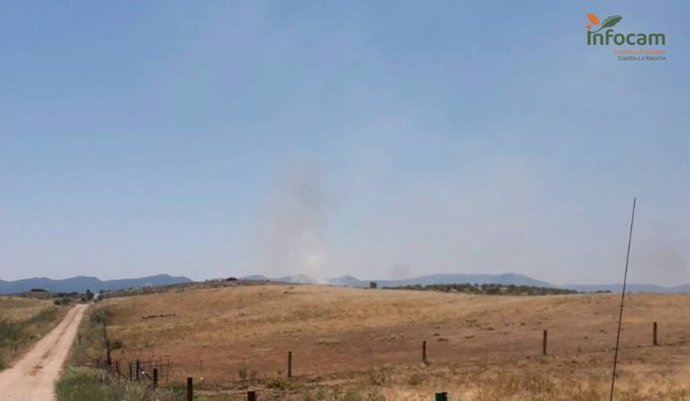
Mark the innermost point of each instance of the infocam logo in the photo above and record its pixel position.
(608, 37)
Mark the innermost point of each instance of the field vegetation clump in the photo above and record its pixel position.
(489, 289)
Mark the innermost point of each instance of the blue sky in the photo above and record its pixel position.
(379, 139)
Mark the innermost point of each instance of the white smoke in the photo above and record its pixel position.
(294, 237)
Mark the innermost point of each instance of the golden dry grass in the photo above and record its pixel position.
(22, 322)
(480, 347)
(16, 309)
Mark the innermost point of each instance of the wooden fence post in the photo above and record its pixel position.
(155, 378)
(655, 338)
(251, 395)
(441, 397)
(138, 370)
(543, 348)
(289, 372)
(190, 389)
(131, 375)
(108, 358)
(424, 351)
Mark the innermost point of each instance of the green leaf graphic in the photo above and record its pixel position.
(610, 22)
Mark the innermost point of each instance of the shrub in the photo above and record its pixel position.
(279, 383)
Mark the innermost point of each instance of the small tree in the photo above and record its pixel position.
(372, 284)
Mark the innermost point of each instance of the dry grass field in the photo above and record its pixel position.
(366, 344)
(16, 309)
(22, 322)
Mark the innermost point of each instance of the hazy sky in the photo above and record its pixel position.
(379, 139)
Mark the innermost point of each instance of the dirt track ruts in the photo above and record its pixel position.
(33, 377)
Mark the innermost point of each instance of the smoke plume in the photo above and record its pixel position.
(294, 237)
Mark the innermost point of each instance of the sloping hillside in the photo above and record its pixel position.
(341, 333)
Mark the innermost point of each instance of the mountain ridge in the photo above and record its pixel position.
(83, 283)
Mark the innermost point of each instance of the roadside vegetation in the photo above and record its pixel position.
(479, 383)
(89, 378)
(90, 384)
(22, 323)
(89, 349)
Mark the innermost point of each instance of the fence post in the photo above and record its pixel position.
(441, 396)
(131, 376)
(251, 395)
(424, 351)
(138, 370)
(546, 335)
(190, 389)
(108, 359)
(655, 338)
(289, 373)
(155, 378)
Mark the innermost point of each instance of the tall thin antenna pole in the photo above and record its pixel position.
(620, 316)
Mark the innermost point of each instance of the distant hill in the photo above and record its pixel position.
(647, 288)
(256, 277)
(504, 279)
(348, 281)
(294, 279)
(82, 283)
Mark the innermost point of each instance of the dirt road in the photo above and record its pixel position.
(33, 377)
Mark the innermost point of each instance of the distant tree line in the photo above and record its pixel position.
(488, 289)
(67, 298)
